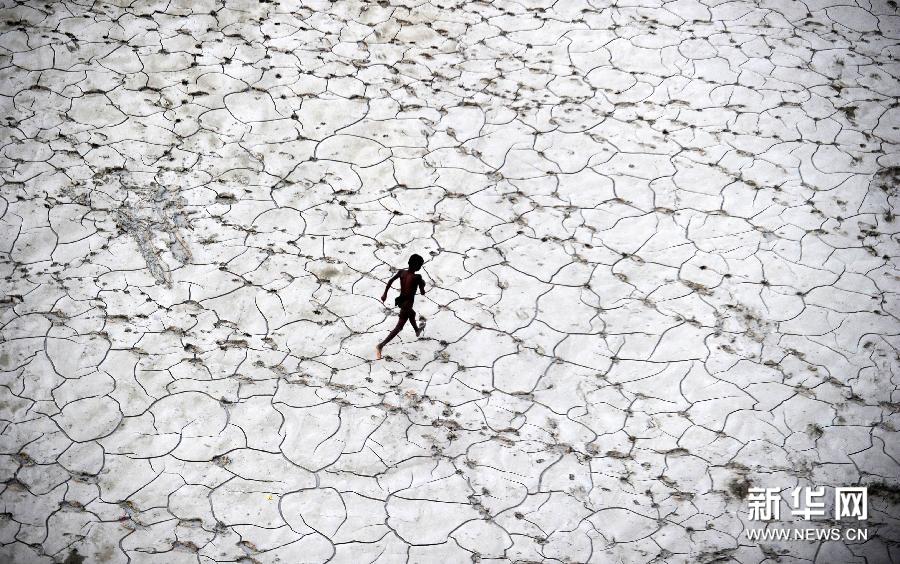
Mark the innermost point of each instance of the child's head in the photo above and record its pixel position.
(416, 262)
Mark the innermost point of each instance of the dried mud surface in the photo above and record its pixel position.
(661, 270)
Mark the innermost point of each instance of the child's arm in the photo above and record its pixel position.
(421, 284)
(391, 281)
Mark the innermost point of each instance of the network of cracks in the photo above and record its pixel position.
(661, 271)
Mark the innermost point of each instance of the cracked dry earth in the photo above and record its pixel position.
(661, 269)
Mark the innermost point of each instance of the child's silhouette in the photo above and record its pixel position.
(409, 281)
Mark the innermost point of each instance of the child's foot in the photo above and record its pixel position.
(421, 330)
(377, 353)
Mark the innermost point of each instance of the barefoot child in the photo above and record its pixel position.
(409, 281)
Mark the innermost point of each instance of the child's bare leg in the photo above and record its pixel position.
(412, 321)
(400, 323)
